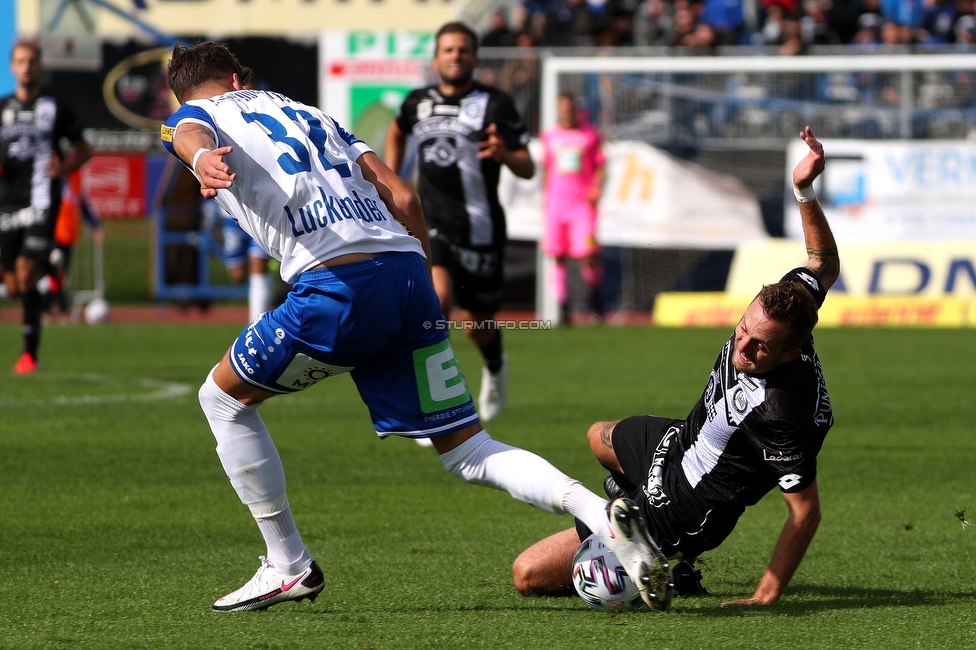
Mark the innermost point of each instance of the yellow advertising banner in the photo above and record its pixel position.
(893, 311)
(699, 309)
(708, 309)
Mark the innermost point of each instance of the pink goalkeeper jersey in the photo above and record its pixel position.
(570, 157)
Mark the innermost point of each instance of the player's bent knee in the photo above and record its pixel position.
(533, 576)
(522, 576)
(216, 403)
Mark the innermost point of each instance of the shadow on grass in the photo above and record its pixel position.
(803, 600)
(537, 605)
(808, 599)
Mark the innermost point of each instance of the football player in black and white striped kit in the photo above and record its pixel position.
(759, 424)
(32, 166)
(464, 132)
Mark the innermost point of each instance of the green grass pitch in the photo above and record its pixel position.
(118, 528)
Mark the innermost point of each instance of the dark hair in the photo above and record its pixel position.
(567, 95)
(457, 27)
(194, 66)
(791, 304)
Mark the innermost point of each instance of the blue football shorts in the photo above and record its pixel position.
(238, 245)
(379, 320)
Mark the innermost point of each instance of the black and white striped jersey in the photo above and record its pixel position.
(746, 435)
(29, 135)
(458, 190)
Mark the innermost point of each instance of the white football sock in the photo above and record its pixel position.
(251, 462)
(286, 550)
(531, 479)
(588, 508)
(258, 295)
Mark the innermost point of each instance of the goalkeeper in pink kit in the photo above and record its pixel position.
(574, 166)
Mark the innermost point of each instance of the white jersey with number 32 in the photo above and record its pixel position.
(298, 191)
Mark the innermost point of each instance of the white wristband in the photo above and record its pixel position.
(196, 157)
(806, 195)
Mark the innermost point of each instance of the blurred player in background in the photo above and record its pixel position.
(759, 424)
(575, 172)
(465, 131)
(244, 260)
(32, 165)
(247, 262)
(320, 201)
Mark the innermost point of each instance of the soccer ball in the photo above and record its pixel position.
(97, 311)
(600, 579)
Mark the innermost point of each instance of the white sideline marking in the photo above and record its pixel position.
(162, 390)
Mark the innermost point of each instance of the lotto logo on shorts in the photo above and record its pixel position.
(440, 382)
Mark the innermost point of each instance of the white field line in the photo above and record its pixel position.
(158, 390)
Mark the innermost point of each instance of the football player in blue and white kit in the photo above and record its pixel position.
(759, 424)
(320, 201)
(244, 260)
(247, 262)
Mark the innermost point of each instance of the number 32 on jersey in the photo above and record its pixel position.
(301, 161)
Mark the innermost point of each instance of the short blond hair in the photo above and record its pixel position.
(791, 304)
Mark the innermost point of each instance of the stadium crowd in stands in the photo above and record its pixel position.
(786, 26)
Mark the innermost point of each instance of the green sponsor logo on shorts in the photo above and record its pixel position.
(440, 382)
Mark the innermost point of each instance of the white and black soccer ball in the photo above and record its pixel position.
(600, 579)
(97, 311)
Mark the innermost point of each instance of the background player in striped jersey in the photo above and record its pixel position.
(32, 166)
(759, 424)
(465, 131)
(320, 201)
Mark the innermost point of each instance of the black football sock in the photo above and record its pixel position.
(33, 304)
(492, 352)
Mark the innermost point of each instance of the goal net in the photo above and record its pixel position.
(736, 116)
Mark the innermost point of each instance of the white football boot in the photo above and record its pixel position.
(639, 554)
(269, 587)
(494, 391)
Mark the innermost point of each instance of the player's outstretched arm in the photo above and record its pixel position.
(398, 197)
(798, 531)
(822, 257)
(210, 168)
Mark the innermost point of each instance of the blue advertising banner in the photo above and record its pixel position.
(8, 31)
